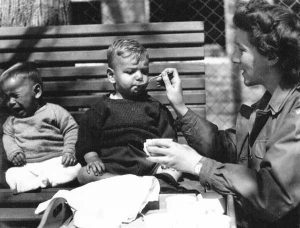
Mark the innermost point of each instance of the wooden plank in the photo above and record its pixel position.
(155, 68)
(96, 85)
(161, 54)
(18, 214)
(78, 43)
(26, 199)
(101, 29)
(230, 211)
(190, 97)
(23, 200)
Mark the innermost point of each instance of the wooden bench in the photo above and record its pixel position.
(72, 62)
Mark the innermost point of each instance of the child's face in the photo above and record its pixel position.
(19, 97)
(130, 76)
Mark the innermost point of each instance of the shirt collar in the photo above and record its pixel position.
(279, 98)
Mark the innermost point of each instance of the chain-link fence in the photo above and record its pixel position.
(225, 89)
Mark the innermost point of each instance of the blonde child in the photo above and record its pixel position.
(112, 133)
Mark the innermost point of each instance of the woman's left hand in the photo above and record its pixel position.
(171, 154)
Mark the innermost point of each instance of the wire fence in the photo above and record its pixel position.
(224, 88)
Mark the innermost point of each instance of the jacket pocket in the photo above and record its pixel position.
(258, 152)
(259, 148)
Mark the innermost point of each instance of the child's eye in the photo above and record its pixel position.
(129, 71)
(145, 72)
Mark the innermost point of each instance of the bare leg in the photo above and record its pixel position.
(84, 177)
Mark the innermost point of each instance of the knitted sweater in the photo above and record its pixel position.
(117, 129)
(49, 133)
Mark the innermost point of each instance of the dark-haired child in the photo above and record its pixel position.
(39, 138)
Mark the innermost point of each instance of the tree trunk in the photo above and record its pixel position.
(124, 11)
(34, 12)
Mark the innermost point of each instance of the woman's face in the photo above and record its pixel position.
(254, 66)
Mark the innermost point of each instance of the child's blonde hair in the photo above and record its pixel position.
(126, 48)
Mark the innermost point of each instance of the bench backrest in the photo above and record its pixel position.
(60, 50)
(72, 59)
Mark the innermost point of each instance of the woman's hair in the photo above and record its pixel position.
(126, 48)
(275, 31)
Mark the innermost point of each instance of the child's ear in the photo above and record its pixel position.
(111, 75)
(37, 88)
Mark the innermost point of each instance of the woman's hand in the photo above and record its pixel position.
(171, 154)
(174, 90)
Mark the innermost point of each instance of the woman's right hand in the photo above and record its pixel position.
(174, 90)
(171, 154)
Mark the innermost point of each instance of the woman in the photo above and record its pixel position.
(259, 162)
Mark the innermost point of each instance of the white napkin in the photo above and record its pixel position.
(108, 202)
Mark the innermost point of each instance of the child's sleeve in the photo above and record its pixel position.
(9, 143)
(166, 124)
(88, 140)
(68, 128)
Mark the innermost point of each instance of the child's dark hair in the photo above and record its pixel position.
(22, 70)
(126, 48)
(275, 31)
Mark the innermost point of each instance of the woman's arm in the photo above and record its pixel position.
(268, 193)
(200, 134)
(207, 139)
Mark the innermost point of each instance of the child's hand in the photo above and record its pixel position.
(68, 159)
(97, 167)
(19, 159)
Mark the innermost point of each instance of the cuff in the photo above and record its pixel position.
(187, 118)
(11, 155)
(207, 170)
(71, 151)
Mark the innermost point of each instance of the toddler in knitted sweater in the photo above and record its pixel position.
(113, 131)
(39, 138)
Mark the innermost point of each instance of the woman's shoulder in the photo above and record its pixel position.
(293, 101)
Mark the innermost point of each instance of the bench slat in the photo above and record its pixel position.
(162, 54)
(100, 70)
(78, 43)
(121, 29)
(23, 200)
(103, 84)
(18, 214)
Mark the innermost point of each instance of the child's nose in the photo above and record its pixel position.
(11, 102)
(139, 75)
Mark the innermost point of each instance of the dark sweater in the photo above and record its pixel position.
(117, 129)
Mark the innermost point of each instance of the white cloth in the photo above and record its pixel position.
(40, 175)
(109, 202)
